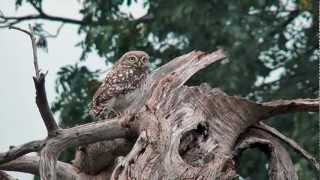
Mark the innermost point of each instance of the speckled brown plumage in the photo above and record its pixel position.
(126, 75)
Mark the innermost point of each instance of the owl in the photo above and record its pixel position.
(127, 74)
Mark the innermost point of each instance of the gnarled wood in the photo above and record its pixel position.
(184, 132)
(280, 164)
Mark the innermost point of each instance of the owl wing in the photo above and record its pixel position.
(111, 87)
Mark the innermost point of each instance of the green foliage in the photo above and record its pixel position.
(75, 86)
(260, 37)
(252, 163)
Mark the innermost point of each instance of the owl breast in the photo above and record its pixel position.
(110, 95)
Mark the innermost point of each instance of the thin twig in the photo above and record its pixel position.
(34, 48)
(291, 143)
(49, 35)
(35, 54)
(39, 83)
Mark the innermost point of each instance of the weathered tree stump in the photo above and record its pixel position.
(177, 132)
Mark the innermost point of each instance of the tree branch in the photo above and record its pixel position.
(13, 20)
(30, 164)
(8, 21)
(285, 106)
(6, 176)
(76, 136)
(43, 105)
(291, 143)
(39, 83)
(16, 152)
(53, 146)
(49, 35)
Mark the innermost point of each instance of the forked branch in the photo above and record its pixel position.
(39, 83)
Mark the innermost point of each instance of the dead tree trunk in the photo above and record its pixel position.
(169, 131)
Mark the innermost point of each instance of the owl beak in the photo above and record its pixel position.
(140, 62)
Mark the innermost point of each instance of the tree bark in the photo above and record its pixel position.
(169, 131)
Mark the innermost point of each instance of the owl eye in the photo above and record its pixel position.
(144, 59)
(132, 58)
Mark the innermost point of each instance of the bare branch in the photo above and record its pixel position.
(34, 48)
(39, 82)
(6, 176)
(49, 35)
(53, 146)
(30, 164)
(35, 54)
(43, 105)
(80, 135)
(286, 106)
(291, 143)
(12, 20)
(7, 21)
(16, 152)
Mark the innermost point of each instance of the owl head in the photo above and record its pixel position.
(134, 59)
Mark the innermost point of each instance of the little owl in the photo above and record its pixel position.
(126, 75)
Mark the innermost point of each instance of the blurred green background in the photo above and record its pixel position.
(272, 48)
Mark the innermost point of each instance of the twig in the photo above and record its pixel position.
(289, 142)
(39, 82)
(34, 49)
(35, 54)
(49, 35)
